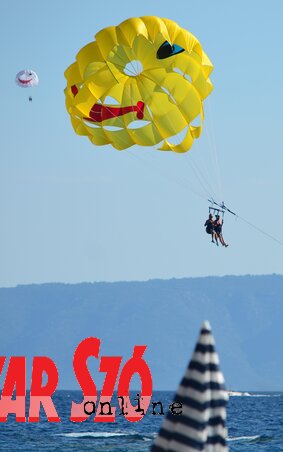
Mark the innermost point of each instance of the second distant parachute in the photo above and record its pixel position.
(27, 79)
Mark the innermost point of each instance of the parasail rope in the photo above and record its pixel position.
(260, 230)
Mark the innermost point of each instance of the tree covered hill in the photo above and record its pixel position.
(245, 313)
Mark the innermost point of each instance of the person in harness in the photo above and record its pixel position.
(217, 225)
(209, 227)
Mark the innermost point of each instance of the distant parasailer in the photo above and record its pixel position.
(27, 79)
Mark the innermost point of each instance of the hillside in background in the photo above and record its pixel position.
(245, 313)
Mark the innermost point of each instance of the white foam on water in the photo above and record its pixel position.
(265, 395)
(244, 438)
(94, 434)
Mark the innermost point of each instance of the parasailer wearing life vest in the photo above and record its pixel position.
(209, 227)
(217, 224)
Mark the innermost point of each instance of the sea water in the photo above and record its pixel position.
(255, 424)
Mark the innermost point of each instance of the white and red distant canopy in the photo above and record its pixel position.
(27, 78)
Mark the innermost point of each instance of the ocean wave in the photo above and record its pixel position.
(97, 435)
(244, 438)
(91, 434)
(265, 395)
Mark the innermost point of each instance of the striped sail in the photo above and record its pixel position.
(201, 426)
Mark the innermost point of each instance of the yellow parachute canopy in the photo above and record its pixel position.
(142, 82)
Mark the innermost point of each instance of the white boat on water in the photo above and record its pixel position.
(238, 394)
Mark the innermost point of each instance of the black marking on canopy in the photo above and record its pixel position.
(167, 50)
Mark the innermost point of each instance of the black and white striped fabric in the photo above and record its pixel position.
(201, 426)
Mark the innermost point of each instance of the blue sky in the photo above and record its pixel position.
(74, 212)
